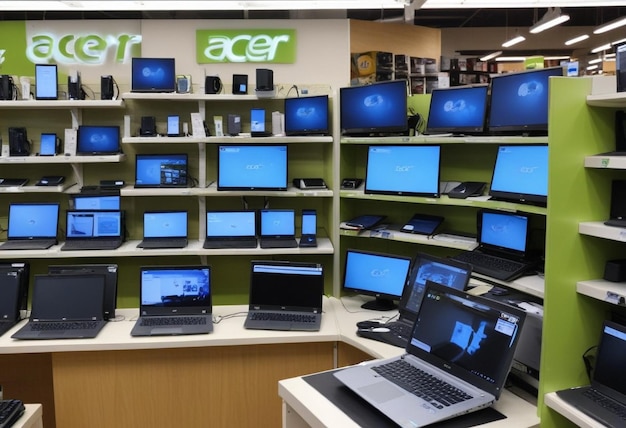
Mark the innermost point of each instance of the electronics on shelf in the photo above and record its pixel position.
(306, 115)
(520, 174)
(252, 167)
(98, 140)
(458, 110)
(161, 170)
(153, 75)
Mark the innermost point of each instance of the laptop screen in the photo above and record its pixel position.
(220, 224)
(609, 368)
(521, 173)
(460, 109)
(306, 115)
(168, 224)
(9, 294)
(252, 167)
(96, 202)
(68, 297)
(278, 223)
(27, 221)
(98, 140)
(94, 224)
(469, 336)
(163, 170)
(286, 285)
(503, 231)
(175, 287)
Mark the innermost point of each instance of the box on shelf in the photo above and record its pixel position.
(368, 67)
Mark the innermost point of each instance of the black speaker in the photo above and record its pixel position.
(148, 126)
(106, 87)
(18, 142)
(234, 124)
(74, 88)
(240, 84)
(620, 131)
(264, 79)
(6, 87)
(212, 85)
(615, 270)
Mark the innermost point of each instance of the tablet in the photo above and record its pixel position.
(422, 224)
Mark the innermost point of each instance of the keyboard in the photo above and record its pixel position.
(28, 244)
(230, 243)
(279, 243)
(166, 243)
(166, 321)
(495, 267)
(63, 325)
(279, 316)
(603, 401)
(400, 329)
(437, 392)
(10, 412)
(89, 244)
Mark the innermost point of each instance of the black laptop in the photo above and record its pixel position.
(65, 307)
(164, 229)
(605, 398)
(617, 217)
(13, 293)
(231, 229)
(285, 296)
(32, 226)
(13, 182)
(93, 230)
(174, 300)
(278, 228)
(502, 251)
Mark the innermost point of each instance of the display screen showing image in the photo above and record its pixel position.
(252, 167)
(33, 220)
(165, 224)
(167, 170)
(278, 222)
(48, 144)
(306, 115)
(257, 120)
(96, 202)
(175, 287)
(94, 224)
(230, 223)
(521, 173)
(459, 109)
(153, 75)
(98, 140)
(502, 230)
(46, 82)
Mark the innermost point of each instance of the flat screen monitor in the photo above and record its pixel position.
(380, 275)
(408, 170)
(378, 109)
(620, 67)
(458, 110)
(153, 75)
(519, 101)
(96, 202)
(46, 82)
(307, 115)
(520, 174)
(98, 140)
(252, 167)
(161, 170)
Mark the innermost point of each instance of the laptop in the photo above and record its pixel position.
(285, 296)
(164, 229)
(230, 229)
(93, 230)
(32, 226)
(502, 246)
(108, 270)
(618, 204)
(13, 294)
(460, 343)
(605, 398)
(161, 170)
(278, 228)
(65, 307)
(13, 182)
(426, 267)
(100, 200)
(174, 300)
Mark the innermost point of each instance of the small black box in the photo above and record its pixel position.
(106, 87)
(240, 84)
(615, 270)
(148, 126)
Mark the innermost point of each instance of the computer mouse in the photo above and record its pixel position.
(367, 324)
(380, 330)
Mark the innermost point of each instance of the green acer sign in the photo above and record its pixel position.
(244, 45)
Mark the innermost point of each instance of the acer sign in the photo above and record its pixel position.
(245, 45)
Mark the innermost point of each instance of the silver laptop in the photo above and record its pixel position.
(32, 226)
(65, 307)
(278, 228)
(93, 230)
(174, 300)
(230, 229)
(164, 229)
(456, 362)
(285, 296)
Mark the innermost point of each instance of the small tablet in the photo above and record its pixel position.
(422, 224)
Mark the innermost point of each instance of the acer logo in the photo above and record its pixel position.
(245, 46)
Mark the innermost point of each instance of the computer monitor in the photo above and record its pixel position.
(153, 75)
(519, 101)
(520, 174)
(408, 170)
(458, 110)
(252, 167)
(620, 67)
(98, 140)
(376, 274)
(378, 109)
(307, 115)
(161, 170)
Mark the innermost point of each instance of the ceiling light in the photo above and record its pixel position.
(492, 55)
(592, 67)
(552, 18)
(618, 42)
(595, 61)
(511, 58)
(601, 48)
(515, 40)
(610, 26)
(577, 39)
(609, 56)
(556, 58)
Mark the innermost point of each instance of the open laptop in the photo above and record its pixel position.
(108, 270)
(65, 307)
(461, 344)
(605, 398)
(285, 296)
(617, 216)
(174, 300)
(230, 229)
(32, 226)
(161, 170)
(164, 229)
(502, 251)
(13, 293)
(278, 228)
(426, 267)
(93, 230)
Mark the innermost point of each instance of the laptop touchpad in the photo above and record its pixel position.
(381, 392)
(168, 330)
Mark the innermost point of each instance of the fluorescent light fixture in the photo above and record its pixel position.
(595, 61)
(592, 67)
(577, 39)
(618, 42)
(601, 48)
(556, 58)
(609, 56)
(552, 18)
(610, 26)
(511, 58)
(492, 55)
(515, 40)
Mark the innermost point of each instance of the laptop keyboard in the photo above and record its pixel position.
(279, 243)
(10, 412)
(606, 403)
(496, 267)
(27, 245)
(166, 243)
(167, 321)
(399, 329)
(241, 243)
(64, 325)
(437, 392)
(279, 316)
(92, 245)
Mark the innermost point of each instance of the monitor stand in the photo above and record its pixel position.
(379, 304)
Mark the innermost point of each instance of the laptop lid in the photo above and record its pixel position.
(68, 297)
(13, 292)
(161, 170)
(609, 376)
(503, 233)
(278, 223)
(90, 201)
(33, 221)
(230, 224)
(286, 286)
(85, 224)
(175, 290)
(618, 200)
(164, 224)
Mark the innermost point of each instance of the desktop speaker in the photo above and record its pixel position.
(74, 87)
(148, 126)
(615, 270)
(264, 79)
(18, 142)
(234, 124)
(240, 84)
(106, 87)
(212, 85)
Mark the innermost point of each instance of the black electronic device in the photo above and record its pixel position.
(620, 67)
(234, 124)
(308, 236)
(112, 184)
(240, 84)
(615, 270)
(620, 129)
(74, 87)
(264, 79)
(7, 87)
(18, 142)
(46, 83)
(153, 75)
(467, 189)
(351, 183)
(106, 87)
(458, 110)
(148, 126)
(617, 212)
(309, 183)
(49, 145)
(520, 174)
(50, 180)
(212, 85)
(422, 224)
(367, 221)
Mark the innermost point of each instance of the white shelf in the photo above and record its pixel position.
(605, 161)
(164, 140)
(393, 234)
(433, 139)
(61, 159)
(173, 96)
(61, 104)
(211, 190)
(613, 100)
(599, 230)
(606, 291)
(37, 189)
(228, 140)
